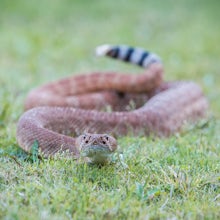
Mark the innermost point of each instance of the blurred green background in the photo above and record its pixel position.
(45, 40)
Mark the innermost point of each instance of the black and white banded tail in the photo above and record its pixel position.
(129, 54)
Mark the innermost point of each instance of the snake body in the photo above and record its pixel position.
(110, 103)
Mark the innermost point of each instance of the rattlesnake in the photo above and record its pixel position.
(92, 104)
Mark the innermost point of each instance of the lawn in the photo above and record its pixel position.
(173, 178)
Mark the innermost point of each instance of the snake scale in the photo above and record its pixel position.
(97, 105)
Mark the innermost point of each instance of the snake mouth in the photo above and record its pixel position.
(96, 153)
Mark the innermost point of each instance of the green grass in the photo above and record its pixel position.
(174, 178)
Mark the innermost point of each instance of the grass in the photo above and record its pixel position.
(174, 178)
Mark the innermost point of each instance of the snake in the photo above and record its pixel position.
(84, 114)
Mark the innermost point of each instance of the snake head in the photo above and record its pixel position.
(96, 147)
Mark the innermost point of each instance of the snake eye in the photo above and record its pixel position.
(84, 138)
(103, 142)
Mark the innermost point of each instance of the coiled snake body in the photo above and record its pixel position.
(110, 103)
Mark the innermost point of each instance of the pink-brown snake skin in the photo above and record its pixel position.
(111, 103)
